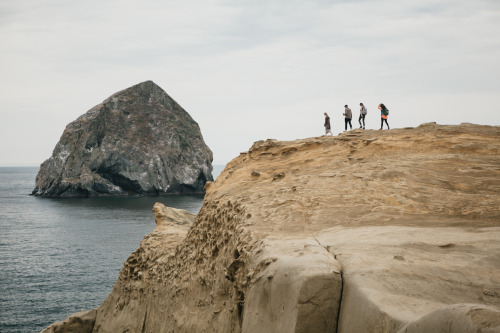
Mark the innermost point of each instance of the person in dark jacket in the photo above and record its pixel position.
(348, 116)
(384, 114)
(327, 125)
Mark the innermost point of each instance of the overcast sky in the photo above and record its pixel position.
(246, 70)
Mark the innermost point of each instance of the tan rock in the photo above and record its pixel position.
(457, 318)
(141, 286)
(441, 267)
(399, 227)
(172, 216)
(298, 289)
(80, 322)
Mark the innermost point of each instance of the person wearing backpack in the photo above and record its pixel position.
(384, 114)
(362, 115)
(348, 116)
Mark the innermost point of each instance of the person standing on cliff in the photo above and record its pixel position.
(327, 125)
(362, 114)
(384, 114)
(348, 116)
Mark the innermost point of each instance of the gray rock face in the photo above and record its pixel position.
(138, 141)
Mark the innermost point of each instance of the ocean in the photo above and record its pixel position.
(60, 256)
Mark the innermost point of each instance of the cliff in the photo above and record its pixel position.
(138, 141)
(369, 231)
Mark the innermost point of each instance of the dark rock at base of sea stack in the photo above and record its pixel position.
(138, 141)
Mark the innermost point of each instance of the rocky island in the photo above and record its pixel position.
(369, 231)
(138, 141)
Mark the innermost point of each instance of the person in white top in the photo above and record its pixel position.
(362, 114)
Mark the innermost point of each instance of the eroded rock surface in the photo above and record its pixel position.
(368, 231)
(138, 141)
(457, 318)
(80, 322)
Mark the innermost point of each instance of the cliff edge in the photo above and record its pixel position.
(369, 231)
(138, 141)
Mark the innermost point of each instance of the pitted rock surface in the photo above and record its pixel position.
(369, 231)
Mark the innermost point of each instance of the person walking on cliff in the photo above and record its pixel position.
(348, 117)
(384, 114)
(327, 125)
(362, 114)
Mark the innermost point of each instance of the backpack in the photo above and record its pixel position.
(364, 110)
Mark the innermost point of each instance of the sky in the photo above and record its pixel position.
(246, 70)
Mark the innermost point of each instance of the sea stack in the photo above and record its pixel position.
(138, 141)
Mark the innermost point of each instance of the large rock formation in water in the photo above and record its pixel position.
(138, 141)
(369, 231)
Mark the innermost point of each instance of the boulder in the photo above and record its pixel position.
(138, 141)
(394, 275)
(457, 318)
(298, 289)
(170, 216)
(80, 322)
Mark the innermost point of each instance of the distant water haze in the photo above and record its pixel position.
(60, 256)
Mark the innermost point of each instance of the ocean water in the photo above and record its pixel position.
(60, 256)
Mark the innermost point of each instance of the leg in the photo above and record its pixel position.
(350, 124)
(345, 121)
(363, 121)
(381, 123)
(359, 121)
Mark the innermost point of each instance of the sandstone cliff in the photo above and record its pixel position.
(138, 141)
(369, 231)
